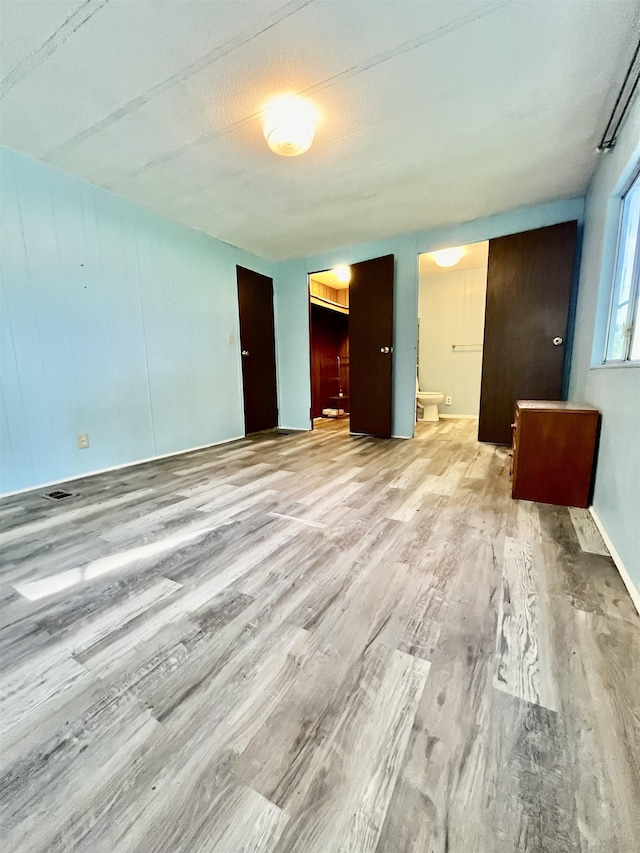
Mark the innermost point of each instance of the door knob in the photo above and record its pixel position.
(557, 342)
(385, 350)
(245, 352)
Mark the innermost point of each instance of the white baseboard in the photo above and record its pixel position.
(39, 486)
(624, 574)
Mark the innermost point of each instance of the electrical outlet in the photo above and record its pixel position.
(448, 401)
(83, 440)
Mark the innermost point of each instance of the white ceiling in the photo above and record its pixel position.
(433, 111)
(474, 256)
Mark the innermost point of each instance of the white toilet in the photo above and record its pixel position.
(428, 401)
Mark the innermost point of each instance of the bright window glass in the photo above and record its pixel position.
(623, 342)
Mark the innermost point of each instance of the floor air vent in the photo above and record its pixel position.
(58, 495)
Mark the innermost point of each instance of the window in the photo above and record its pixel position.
(623, 343)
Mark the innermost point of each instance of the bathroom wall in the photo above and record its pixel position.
(451, 311)
(615, 390)
(115, 323)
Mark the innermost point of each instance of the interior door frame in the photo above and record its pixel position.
(310, 324)
(388, 433)
(417, 327)
(573, 298)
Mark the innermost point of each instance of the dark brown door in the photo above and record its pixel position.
(257, 344)
(371, 345)
(528, 295)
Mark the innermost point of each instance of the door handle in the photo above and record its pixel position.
(557, 342)
(386, 350)
(245, 352)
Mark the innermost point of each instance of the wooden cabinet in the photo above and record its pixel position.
(554, 446)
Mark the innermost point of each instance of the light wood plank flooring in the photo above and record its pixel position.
(315, 643)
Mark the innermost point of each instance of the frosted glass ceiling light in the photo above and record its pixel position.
(289, 125)
(447, 257)
(343, 274)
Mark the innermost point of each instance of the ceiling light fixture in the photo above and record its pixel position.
(289, 125)
(448, 257)
(343, 274)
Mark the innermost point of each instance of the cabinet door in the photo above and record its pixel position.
(555, 453)
(529, 283)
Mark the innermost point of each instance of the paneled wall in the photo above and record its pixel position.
(451, 313)
(115, 323)
(329, 294)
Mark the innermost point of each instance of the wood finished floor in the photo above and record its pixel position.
(315, 643)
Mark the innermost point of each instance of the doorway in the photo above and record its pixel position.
(329, 307)
(351, 345)
(512, 350)
(452, 289)
(257, 345)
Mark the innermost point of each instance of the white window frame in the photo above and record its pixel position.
(630, 325)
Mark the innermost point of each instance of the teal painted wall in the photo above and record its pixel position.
(614, 390)
(114, 323)
(292, 311)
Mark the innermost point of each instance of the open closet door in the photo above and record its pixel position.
(257, 342)
(528, 295)
(371, 345)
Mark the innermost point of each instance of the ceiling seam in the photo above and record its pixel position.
(88, 9)
(225, 49)
(405, 47)
(195, 190)
(412, 44)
